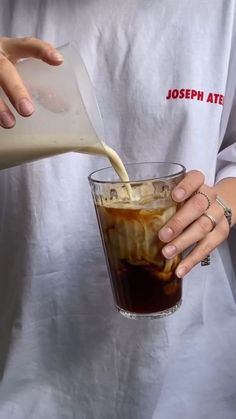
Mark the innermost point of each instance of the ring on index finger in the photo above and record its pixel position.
(206, 196)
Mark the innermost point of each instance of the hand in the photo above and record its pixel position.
(11, 50)
(189, 227)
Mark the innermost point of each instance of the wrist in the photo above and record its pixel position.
(226, 197)
(227, 210)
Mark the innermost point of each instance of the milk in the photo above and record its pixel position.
(17, 150)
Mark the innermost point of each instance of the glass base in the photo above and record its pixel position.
(158, 315)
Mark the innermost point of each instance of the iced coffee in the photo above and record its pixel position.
(144, 282)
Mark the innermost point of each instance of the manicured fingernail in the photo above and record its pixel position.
(169, 251)
(166, 233)
(179, 193)
(7, 120)
(55, 55)
(25, 107)
(181, 271)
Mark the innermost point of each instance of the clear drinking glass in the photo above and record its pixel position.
(130, 214)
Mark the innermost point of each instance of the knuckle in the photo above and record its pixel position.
(205, 249)
(177, 225)
(187, 184)
(18, 90)
(199, 202)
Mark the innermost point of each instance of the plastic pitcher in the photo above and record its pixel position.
(66, 116)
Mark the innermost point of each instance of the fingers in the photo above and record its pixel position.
(11, 50)
(16, 48)
(193, 208)
(14, 88)
(199, 224)
(203, 248)
(197, 231)
(7, 119)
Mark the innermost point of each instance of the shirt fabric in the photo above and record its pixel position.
(64, 351)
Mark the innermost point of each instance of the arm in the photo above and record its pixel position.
(11, 50)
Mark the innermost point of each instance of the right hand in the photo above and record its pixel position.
(11, 50)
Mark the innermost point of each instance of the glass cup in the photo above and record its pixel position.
(130, 215)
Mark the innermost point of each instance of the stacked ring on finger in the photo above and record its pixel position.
(212, 220)
(206, 196)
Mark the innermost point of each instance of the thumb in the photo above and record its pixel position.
(17, 48)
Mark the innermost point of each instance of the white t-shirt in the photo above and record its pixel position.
(164, 75)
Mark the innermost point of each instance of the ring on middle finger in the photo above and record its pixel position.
(212, 220)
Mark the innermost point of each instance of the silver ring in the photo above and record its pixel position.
(206, 261)
(206, 196)
(212, 220)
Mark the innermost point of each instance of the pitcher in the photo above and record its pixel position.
(66, 116)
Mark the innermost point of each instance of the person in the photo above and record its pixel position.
(164, 75)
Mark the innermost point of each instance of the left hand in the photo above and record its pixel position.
(189, 227)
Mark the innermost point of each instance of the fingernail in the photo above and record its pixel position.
(169, 251)
(166, 233)
(55, 55)
(181, 271)
(179, 193)
(25, 107)
(7, 120)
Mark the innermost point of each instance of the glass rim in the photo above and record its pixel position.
(172, 176)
